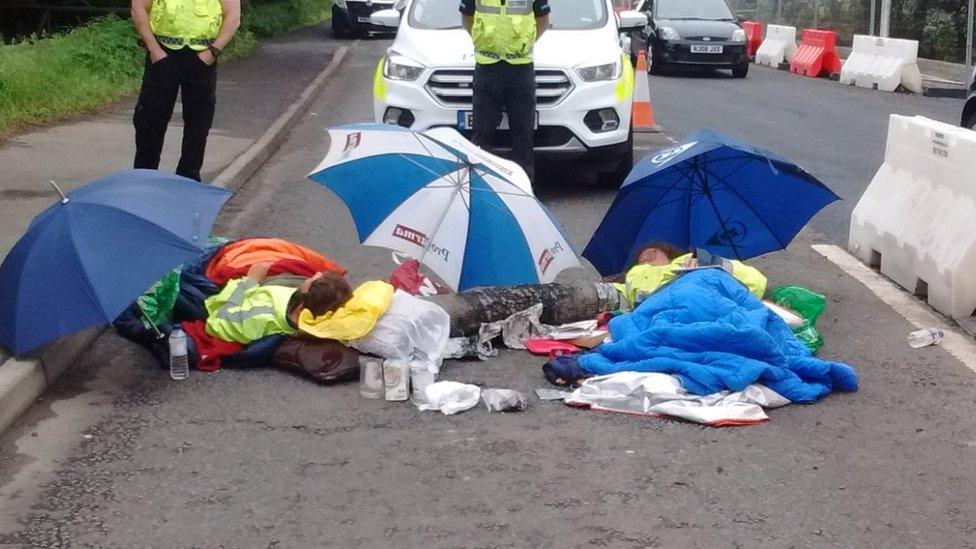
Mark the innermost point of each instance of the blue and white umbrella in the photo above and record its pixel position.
(469, 216)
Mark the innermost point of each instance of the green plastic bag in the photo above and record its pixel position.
(808, 304)
(810, 336)
(158, 302)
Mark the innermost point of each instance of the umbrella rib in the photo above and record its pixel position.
(660, 198)
(753, 210)
(417, 136)
(421, 166)
(88, 286)
(506, 181)
(735, 249)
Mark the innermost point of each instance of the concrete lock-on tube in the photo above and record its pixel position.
(561, 303)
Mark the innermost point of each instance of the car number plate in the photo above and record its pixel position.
(466, 121)
(363, 19)
(706, 49)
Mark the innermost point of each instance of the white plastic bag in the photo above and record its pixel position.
(504, 400)
(450, 397)
(411, 329)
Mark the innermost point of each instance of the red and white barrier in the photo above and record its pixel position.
(817, 55)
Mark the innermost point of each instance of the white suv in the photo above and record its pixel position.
(583, 74)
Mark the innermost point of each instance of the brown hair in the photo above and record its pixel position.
(326, 293)
(671, 251)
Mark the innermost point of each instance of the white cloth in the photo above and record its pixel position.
(656, 395)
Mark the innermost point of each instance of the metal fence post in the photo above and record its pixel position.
(969, 45)
(885, 18)
(874, 9)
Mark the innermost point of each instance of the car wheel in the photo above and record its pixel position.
(616, 178)
(741, 70)
(971, 122)
(339, 28)
(654, 65)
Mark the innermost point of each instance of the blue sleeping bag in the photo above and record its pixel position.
(706, 328)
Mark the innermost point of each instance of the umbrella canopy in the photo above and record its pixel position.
(85, 259)
(710, 192)
(469, 216)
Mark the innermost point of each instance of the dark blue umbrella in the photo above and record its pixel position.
(85, 259)
(710, 192)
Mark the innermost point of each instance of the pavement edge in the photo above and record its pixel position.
(24, 379)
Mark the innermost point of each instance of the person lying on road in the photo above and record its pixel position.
(248, 309)
(658, 263)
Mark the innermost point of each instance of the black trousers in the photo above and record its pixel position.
(180, 71)
(502, 87)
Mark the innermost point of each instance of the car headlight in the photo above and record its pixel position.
(340, 3)
(396, 69)
(667, 33)
(596, 73)
(738, 35)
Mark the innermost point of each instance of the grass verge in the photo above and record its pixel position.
(51, 79)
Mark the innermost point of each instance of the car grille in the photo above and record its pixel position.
(453, 87)
(544, 136)
(719, 39)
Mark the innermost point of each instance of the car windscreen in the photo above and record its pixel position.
(565, 14)
(710, 10)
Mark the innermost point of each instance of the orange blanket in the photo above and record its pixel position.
(249, 251)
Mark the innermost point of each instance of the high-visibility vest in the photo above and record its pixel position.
(643, 278)
(503, 31)
(245, 311)
(186, 23)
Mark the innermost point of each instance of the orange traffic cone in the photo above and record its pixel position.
(642, 117)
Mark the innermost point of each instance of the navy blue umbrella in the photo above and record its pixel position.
(710, 192)
(85, 259)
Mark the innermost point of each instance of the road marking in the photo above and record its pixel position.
(958, 343)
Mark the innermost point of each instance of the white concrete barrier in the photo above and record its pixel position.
(779, 46)
(917, 219)
(882, 63)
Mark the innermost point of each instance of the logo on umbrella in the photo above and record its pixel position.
(731, 234)
(548, 255)
(410, 235)
(664, 156)
(414, 236)
(353, 140)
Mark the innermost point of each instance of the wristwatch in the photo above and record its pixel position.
(214, 50)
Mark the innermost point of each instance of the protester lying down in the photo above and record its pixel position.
(286, 306)
(724, 354)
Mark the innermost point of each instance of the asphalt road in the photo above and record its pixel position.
(118, 455)
(836, 132)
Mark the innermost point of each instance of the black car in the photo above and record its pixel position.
(969, 111)
(351, 17)
(699, 33)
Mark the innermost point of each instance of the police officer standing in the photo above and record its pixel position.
(183, 39)
(504, 33)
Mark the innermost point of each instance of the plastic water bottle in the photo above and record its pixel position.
(179, 363)
(924, 338)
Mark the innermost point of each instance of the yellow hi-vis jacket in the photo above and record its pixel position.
(245, 311)
(503, 31)
(185, 23)
(648, 278)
